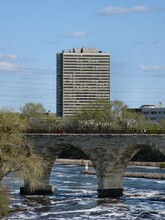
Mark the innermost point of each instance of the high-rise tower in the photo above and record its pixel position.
(83, 76)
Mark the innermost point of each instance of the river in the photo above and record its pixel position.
(76, 197)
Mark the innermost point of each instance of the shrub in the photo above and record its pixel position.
(162, 164)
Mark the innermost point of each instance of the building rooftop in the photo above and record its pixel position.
(148, 106)
(83, 50)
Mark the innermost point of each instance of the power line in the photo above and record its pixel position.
(28, 69)
(112, 87)
(138, 76)
(24, 88)
(27, 82)
(15, 96)
(23, 101)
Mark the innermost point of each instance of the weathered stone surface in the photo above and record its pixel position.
(110, 154)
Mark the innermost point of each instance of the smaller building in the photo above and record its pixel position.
(152, 112)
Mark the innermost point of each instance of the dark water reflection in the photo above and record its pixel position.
(76, 198)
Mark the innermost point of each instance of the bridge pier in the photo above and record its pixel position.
(46, 190)
(43, 187)
(111, 193)
(109, 153)
(110, 186)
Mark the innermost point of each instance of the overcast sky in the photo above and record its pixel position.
(33, 31)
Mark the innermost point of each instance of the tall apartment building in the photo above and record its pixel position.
(83, 76)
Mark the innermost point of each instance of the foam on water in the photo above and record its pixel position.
(100, 211)
(76, 198)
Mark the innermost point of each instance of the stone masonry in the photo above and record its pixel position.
(109, 154)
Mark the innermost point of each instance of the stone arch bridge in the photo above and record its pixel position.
(109, 154)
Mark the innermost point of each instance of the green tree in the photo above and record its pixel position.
(162, 125)
(17, 153)
(132, 120)
(104, 115)
(33, 110)
(101, 115)
(35, 114)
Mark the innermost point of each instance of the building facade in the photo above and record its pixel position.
(152, 112)
(83, 76)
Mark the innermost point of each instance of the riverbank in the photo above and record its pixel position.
(87, 163)
(134, 175)
(81, 162)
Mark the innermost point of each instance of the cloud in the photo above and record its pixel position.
(123, 10)
(152, 68)
(77, 34)
(8, 66)
(6, 62)
(8, 56)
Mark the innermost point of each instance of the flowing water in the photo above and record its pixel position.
(76, 197)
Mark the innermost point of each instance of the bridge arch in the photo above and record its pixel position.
(133, 148)
(50, 153)
(109, 153)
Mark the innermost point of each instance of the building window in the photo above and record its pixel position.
(145, 113)
(153, 113)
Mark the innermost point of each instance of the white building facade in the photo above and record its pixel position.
(83, 76)
(152, 112)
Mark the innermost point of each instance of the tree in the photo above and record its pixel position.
(162, 125)
(116, 114)
(34, 113)
(33, 110)
(16, 150)
(101, 115)
(4, 208)
(137, 122)
(132, 120)
(104, 115)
